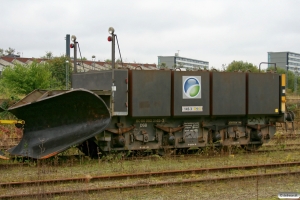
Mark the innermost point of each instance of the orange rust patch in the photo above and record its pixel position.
(4, 158)
(49, 155)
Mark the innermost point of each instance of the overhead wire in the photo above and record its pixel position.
(119, 51)
(81, 57)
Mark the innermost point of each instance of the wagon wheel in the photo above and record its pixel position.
(251, 147)
(181, 151)
(193, 151)
(166, 152)
(139, 153)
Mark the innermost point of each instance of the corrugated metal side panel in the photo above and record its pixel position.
(121, 95)
(100, 80)
(150, 93)
(228, 93)
(263, 93)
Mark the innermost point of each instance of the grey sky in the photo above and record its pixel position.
(218, 31)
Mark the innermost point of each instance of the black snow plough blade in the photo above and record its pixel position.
(57, 120)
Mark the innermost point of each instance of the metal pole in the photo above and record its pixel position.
(75, 57)
(287, 80)
(113, 87)
(295, 82)
(68, 45)
(94, 59)
(113, 51)
(67, 74)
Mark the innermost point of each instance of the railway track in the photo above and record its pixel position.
(144, 185)
(50, 188)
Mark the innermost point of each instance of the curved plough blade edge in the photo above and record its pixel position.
(56, 123)
(2, 156)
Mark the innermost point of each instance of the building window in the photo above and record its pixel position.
(294, 55)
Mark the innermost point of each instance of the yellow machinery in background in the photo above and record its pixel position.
(18, 123)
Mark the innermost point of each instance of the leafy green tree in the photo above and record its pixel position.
(10, 51)
(179, 65)
(57, 67)
(163, 66)
(1, 52)
(23, 79)
(291, 79)
(278, 70)
(241, 66)
(48, 55)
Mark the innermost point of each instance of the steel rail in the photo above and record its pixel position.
(147, 174)
(147, 185)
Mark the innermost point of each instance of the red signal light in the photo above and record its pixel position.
(109, 38)
(71, 46)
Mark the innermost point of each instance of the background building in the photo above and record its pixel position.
(82, 66)
(181, 62)
(285, 59)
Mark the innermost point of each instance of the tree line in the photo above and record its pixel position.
(245, 66)
(9, 51)
(18, 80)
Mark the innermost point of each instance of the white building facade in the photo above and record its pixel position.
(177, 61)
(286, 60)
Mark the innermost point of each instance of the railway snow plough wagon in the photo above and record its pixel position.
(152, 110)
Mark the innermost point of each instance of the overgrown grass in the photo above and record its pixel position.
(82, 166)
(58, 167)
